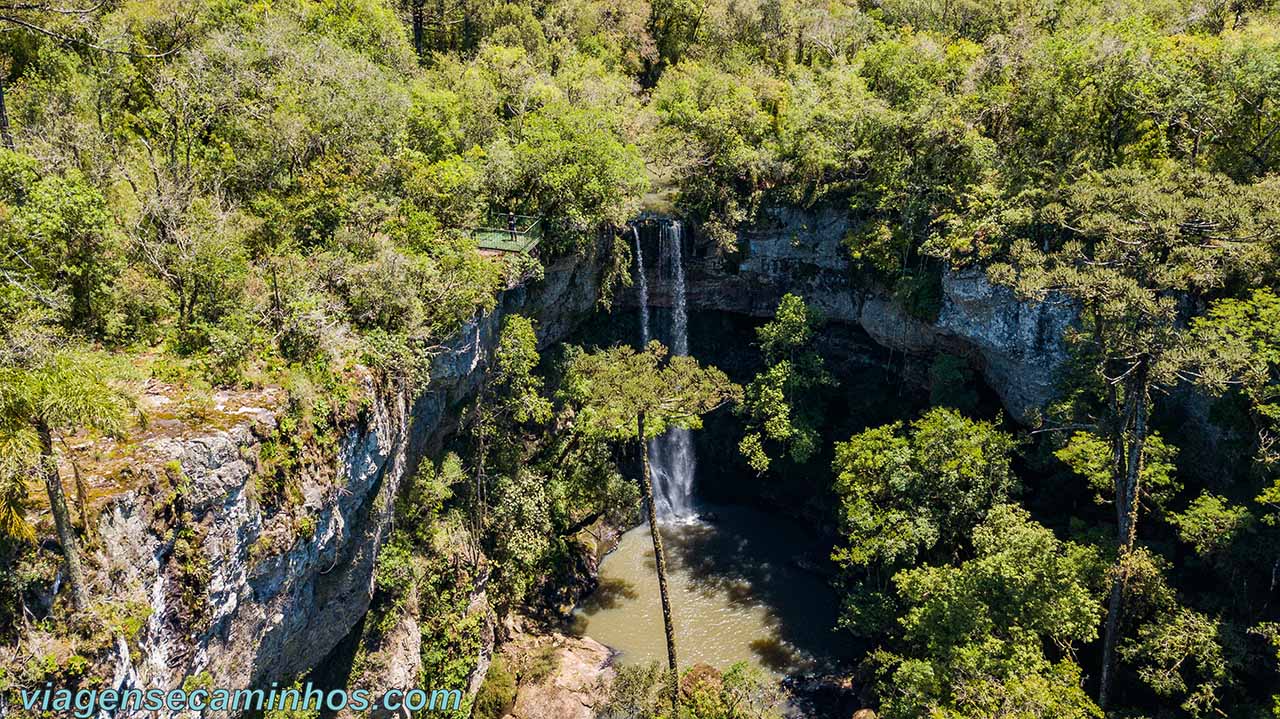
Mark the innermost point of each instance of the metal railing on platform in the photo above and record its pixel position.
(509, 233)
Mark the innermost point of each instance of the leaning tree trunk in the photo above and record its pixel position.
(62, 518)
(661, 556)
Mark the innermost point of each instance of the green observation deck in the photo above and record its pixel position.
(509, 233)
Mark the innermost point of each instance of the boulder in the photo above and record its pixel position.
(577, 684)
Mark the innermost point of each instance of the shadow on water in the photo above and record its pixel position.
(610, 594)
(737, 594)
(775, 655)
(749, 558)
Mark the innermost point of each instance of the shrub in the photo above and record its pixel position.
(498, 692)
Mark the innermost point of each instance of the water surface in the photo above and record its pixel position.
(738, 594)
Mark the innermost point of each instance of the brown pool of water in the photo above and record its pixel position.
(743, 589)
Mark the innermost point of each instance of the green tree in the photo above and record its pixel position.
(977, 636)
(910, 493)
(1234, 350)
(1128, 241)
(576, 167)
(509, 399)
(1211, 524)
(50, 388)
(782, 404)
(1271, 632)
(14, 526)
(1179, 655)
(1235, 345)
(622, 395)
(1089, 456)
(60, 245)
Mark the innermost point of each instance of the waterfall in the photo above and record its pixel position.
(679, 313)
(671, 455)
(642, 286)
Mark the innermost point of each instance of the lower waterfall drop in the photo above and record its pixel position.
(671, 455)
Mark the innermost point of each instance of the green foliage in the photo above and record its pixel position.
(497, 693)
(920, 293)
(742, 691)
(906, 491)
(613, 388)
(451, 633)
(14, 526)
(288, 184)
(1211, 524)
(307, 434)
(289, 713)
(1090, 456)
(1180, 656)
(1270, 632)
(516, 357)
(1124, 244)
(638, 690)
(192, 576)
(976, 636)
(577, 169)
(721, 123)
(522, 530)
(1236, 343)
(951, 384)
(540, 665)
(271, 193)
(783, 403)
(909, 494)
(60, 240)
(48, 383)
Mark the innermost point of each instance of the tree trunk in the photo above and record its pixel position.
(1128, 491)
(419, 40)
(1137, 455)
(62, 519)
(1110, 636)
(661, 557)
(5, 135)
(442, 43)
(82, 502)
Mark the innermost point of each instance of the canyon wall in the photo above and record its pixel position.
(280, 598)
(1016, 345)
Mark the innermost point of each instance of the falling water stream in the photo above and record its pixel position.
(738, 591)
(671, 455)
(642, 288)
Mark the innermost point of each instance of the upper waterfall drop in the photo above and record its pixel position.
(679, 311)
(642, 289)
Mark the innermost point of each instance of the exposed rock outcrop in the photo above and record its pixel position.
(281, 594)
(574, 679)
(1018, 346)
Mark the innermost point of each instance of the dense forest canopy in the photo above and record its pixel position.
(225, 194)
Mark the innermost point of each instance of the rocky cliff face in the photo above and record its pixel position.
(1017, 346)
(279, 598)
